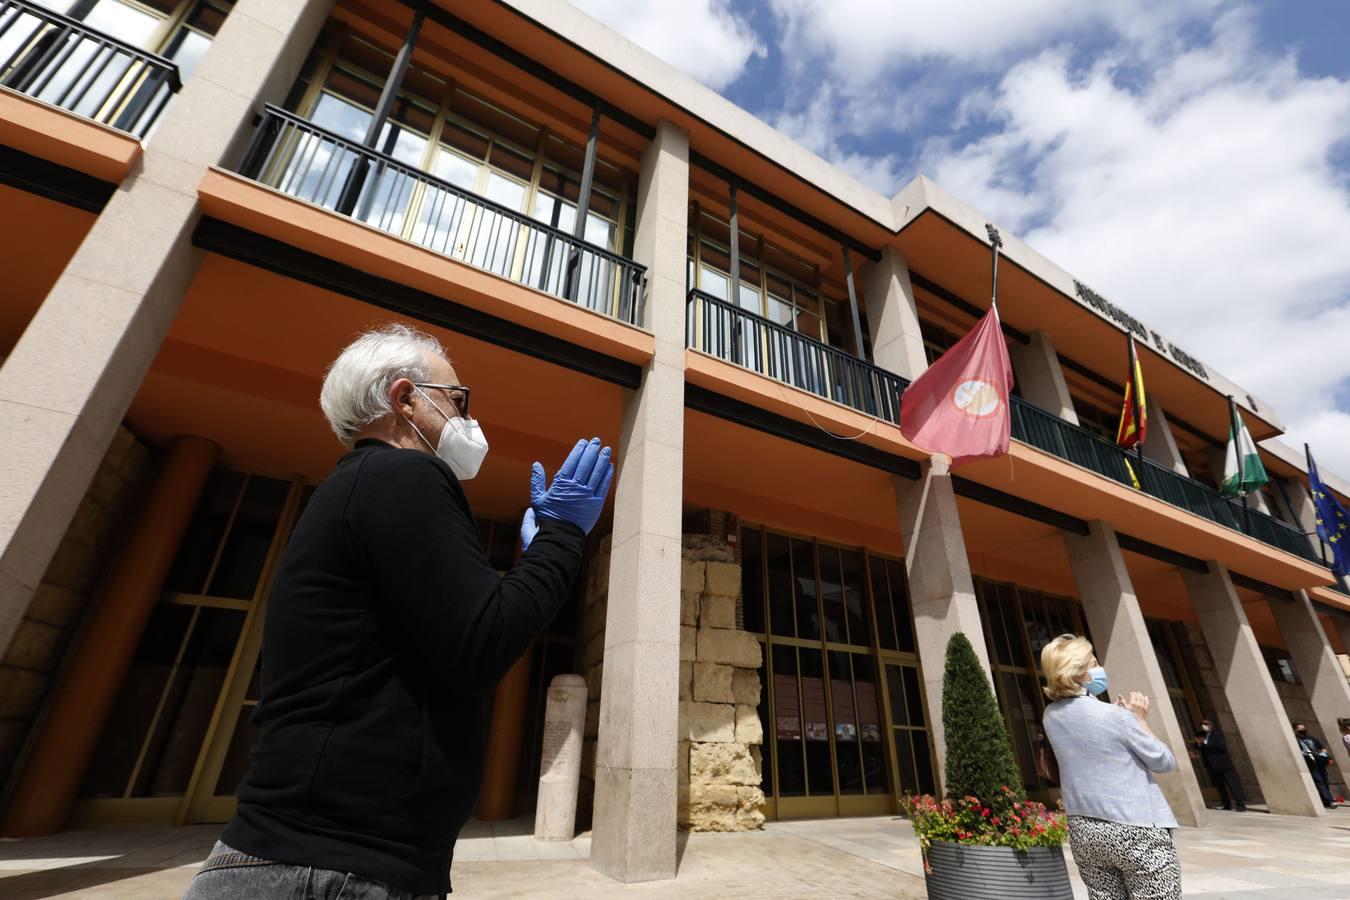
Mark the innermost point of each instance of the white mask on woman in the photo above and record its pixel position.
(461, 445)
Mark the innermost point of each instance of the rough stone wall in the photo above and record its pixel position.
(720, 732)
(30, 664)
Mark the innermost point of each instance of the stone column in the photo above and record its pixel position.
(633, 833)
(897, 342)
(111, 632)
(1318, 669)
(1124, 647)
(1160, 444)
(497, 798)
(555, 815)
(1257, 709)
(941, 591)
(70, 379)
(1038, 372)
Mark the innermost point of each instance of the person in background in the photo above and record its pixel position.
(1120, 826)
(386, 632)
(1213, 747)
(1316, 756)
(1345, 734)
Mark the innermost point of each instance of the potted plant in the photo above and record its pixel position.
(985, 839)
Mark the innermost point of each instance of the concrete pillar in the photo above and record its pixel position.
(555, 815)
(497, 798)
(112, 630)
(72, 375)
(1318, 669)
(633, 833)
(1125, 649)
(897, 342)
(1160, 444)
(941, 590)
(1257, 709)
(1040, 377)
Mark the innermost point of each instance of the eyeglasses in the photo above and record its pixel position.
(459, 395)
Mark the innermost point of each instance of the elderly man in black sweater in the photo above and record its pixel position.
(386, 632)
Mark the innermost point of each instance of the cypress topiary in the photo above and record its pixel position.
(979, 755)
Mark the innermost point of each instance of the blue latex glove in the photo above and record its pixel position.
(528, 527)
(578, 491)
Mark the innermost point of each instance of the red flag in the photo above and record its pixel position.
(960, 405)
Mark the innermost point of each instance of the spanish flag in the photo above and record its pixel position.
(1134, 412)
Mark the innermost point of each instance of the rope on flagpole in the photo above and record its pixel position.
(838, 437)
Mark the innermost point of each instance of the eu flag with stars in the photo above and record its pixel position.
(1333, 522)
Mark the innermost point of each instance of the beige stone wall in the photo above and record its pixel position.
(29, 666)
(720, 732)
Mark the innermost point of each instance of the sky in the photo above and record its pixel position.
(1188, 159)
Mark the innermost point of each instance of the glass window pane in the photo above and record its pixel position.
(870, 725)
(340, 116)
(241, 562)
(171, 753)
(752, 581)
(855, 596)
(819, 779)
(832, 595)
(204, 533)
(895, 690)
(787, 724)
(1016, 645)
(913, 696)
(904, 619)
(123, 21)
(713, 282)
(904, 759)
(237, 756)
(804, 582)
(881, 602)
(466, 140)
(923, 762)
(137, 699)
(511, 162)
(847, 755)
(779, 566)
(189, 48)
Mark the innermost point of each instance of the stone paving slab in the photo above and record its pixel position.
(1252, 856)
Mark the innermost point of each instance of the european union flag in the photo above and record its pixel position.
(1333, 522)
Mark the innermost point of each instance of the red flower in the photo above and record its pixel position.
(985, 813)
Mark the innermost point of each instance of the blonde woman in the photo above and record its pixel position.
(1119, 823)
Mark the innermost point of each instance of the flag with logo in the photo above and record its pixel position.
(1242, 469)
(959, 406)
(1333, 522)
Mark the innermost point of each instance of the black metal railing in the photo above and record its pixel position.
(62, 61)
(318, 166)
(738, 336)
(1052, 434)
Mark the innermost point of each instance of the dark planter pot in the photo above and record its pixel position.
(963, 872)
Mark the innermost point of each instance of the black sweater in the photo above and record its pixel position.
(386, 632)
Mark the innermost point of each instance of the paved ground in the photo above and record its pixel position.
(1237, 857)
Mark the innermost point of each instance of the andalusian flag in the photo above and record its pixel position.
(1134, 413)
(1242, 469)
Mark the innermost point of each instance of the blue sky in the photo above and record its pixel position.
(1189, 159)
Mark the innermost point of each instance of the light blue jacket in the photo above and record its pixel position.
(1105, 763)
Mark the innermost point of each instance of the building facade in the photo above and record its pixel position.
(203, 201)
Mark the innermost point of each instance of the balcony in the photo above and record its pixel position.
(298, 158)
(741, 337)
(1048, 432)
(61, 61)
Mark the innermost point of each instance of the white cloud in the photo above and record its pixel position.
(1203, 200)
(702, 38)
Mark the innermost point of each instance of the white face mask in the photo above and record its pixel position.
(461, 446)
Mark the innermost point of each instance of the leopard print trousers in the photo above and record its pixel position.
(1125, 862)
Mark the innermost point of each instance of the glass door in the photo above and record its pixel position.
(171, 726)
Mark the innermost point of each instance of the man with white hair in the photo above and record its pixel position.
(386, 632)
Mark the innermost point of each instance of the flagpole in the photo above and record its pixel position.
(996, 241)
(1307, 454)
(1237, 455)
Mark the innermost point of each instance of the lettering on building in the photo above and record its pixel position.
(1134, 326)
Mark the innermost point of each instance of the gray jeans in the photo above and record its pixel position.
(228, 874)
